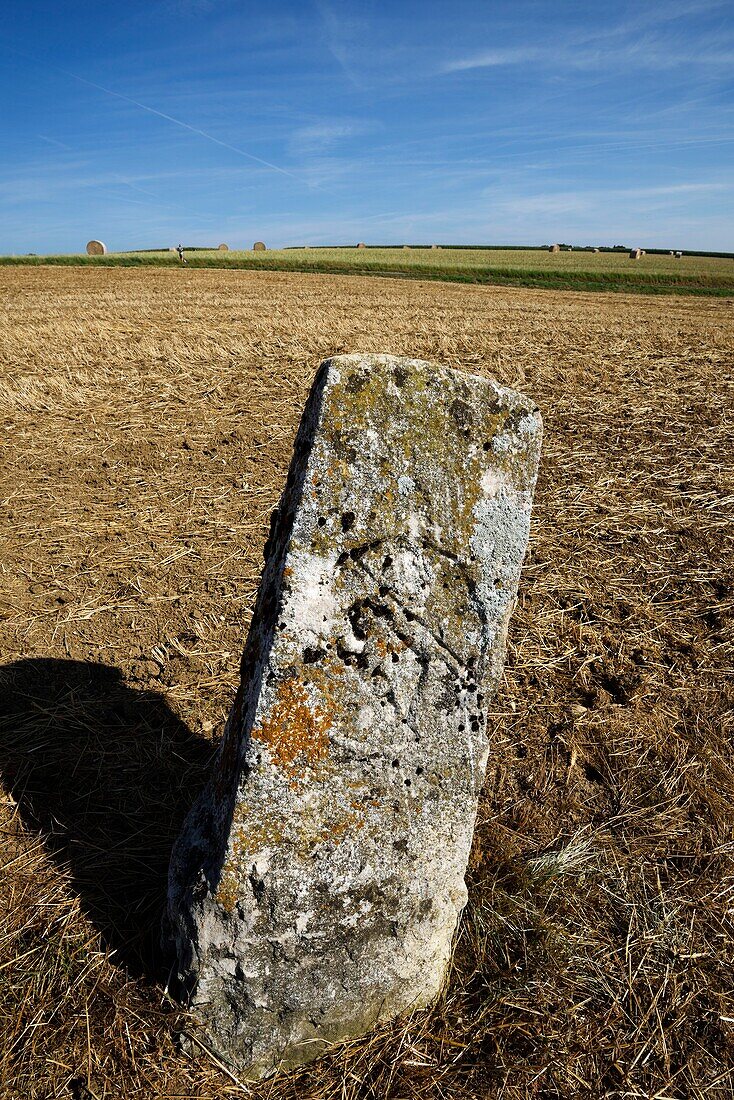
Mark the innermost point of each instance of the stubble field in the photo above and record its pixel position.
(714, 267)
(533, 268)
(147, 421)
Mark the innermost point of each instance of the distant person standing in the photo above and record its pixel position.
(180, 250)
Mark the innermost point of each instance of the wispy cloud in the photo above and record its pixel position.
(673, 189)
(339, 32)
(490, 59)
(551, 121)
(590, 209)
(658, 15)
(53, 141)
(643, 54)
(641, 39)
(322, 135)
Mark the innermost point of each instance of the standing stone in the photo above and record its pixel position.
(317, 882)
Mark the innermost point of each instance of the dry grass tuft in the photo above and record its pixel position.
(148, 418)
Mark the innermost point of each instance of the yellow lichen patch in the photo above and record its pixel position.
(431, 431)
(247, 839)
(227, 890)
(295, 730)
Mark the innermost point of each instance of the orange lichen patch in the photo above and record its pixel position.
(295, 730)
(337, 830)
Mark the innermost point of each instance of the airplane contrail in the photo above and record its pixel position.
(184, 126)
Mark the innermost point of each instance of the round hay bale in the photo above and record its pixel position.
(361, 245)
(435, 246)
(259, 247)
(96, 248)
(595, 250)
(223, 248)
(406, 248)
(555, 248)
(635, 253)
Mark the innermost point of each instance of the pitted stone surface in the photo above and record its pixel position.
(316, 885)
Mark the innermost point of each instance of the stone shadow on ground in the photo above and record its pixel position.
(106, 773)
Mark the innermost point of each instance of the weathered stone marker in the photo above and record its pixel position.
(316, 885)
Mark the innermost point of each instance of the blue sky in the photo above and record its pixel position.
(318, 122)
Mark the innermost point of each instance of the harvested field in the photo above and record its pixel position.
(533, 268)
(148, 417)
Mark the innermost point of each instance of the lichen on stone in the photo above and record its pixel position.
(295, 729)
(316, 886)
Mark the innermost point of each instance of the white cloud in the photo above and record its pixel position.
(643, 54)
(647, 40)
(321, 136)
(514, 55)
(340, 33)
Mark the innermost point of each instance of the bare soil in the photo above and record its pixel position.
(147, 421)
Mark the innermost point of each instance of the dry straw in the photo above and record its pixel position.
(96, 248)
(259, 247)
(223, 248)
(157, 419)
